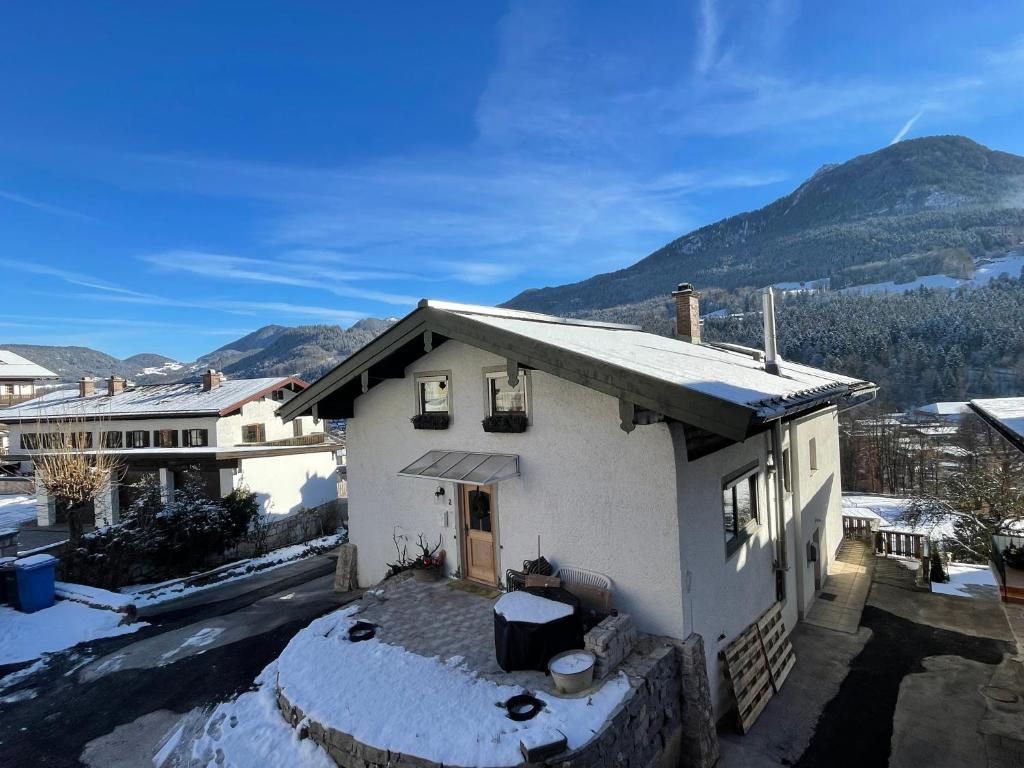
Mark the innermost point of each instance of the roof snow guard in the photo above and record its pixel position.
(464, 467)
(724, 391)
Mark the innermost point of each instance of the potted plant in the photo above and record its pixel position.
(1014, 556)
(428, 565)
(431, 420)
(506, 422)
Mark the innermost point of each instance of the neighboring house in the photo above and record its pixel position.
(18, 378)
(669, 465)
(945, 413)
(227, 428)
(1005, 415)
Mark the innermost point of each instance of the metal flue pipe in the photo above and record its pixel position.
(771, 349)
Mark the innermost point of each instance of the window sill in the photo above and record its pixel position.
(735, 544)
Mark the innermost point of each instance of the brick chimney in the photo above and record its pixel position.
(115, 385)
(86, 386)
(212, 379)
(687, 313)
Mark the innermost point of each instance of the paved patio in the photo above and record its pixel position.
(439, 619)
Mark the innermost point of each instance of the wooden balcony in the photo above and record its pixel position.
(7, 400)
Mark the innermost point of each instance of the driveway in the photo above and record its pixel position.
(113, 702)
(927, 679)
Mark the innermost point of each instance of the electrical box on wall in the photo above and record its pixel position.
(442, 518)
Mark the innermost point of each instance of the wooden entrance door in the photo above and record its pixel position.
(479, 522)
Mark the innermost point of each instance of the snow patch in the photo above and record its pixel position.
(202, 638)
(28, 636)
(966, 580)
(532, 609)
(392, 699)
(250, 731)
(17, 509)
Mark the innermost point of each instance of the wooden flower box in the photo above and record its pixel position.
(430, 421)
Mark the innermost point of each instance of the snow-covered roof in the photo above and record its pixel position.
(14, 366)
(944, 409)
(724, 390)
(149, 400)
(1006, 414)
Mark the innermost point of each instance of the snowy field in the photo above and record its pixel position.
(16, 509)
(389, 698)
(27, 636)
(1009, 265)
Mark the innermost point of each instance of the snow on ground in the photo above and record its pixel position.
(250, 731)
(891, 510)
(28, 636)
(94, 596)
(985, 270)
(153, 594)
(966, 580)
(16, 509)
(390, 698)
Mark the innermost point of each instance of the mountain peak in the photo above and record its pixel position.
(903, 209)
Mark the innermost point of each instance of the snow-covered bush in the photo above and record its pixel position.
(162, 540)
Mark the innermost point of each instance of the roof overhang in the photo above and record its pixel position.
(1011, 436)
(463, 467)
(386, 357)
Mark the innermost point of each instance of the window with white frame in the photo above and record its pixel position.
(433, 393)
(740, 510)
(503, 398)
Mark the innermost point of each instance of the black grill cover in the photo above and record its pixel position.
(521, 645)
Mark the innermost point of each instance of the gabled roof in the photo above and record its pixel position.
(149, 401)
(14, 366)
(725, 391)
(1006, 414)
(954, 408)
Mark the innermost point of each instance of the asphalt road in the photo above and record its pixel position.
(111, 703)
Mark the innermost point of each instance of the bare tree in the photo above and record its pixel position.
(980, 501)
(72, 469)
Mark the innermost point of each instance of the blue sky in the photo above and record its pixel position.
(174, 175)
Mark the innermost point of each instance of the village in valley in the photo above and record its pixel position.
(755, 499)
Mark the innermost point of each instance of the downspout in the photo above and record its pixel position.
(782, 558)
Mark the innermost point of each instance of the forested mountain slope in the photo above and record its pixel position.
(918, 207)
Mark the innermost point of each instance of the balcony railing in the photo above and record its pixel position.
(8, 400)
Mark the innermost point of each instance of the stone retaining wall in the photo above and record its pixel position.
(610, 641)
(645, 731)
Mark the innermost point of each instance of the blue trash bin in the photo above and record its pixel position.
(35, 582)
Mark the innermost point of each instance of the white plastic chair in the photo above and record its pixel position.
(592, 588)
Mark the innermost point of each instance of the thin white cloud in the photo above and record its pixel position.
(44, 207)
(237, 269)
(906, 127)
(708, 34)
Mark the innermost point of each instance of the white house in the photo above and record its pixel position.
(18, 377)
(705, 486)
(228, 428)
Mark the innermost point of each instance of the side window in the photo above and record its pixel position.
(165, 438)
(137, 438)
(787, 477)
(740, 511)
(297, 428)
(503, 398)
(113, 439)
(812, 450)
(253, 433)
(195, 438)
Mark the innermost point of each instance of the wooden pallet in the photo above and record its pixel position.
(777, 648)
(746, 669)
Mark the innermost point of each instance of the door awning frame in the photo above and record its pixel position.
(463, 467)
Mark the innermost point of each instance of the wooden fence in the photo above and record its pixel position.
(901, 543)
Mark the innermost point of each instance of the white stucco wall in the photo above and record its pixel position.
(723, 593)
(816, 493)
(597, 498)
(284, 484)
(208, 423)
(229, 428)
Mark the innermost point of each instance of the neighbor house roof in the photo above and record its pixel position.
(725, 391)
(16, 367)
(1006, 414)
(149, 401)
(954, 408)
